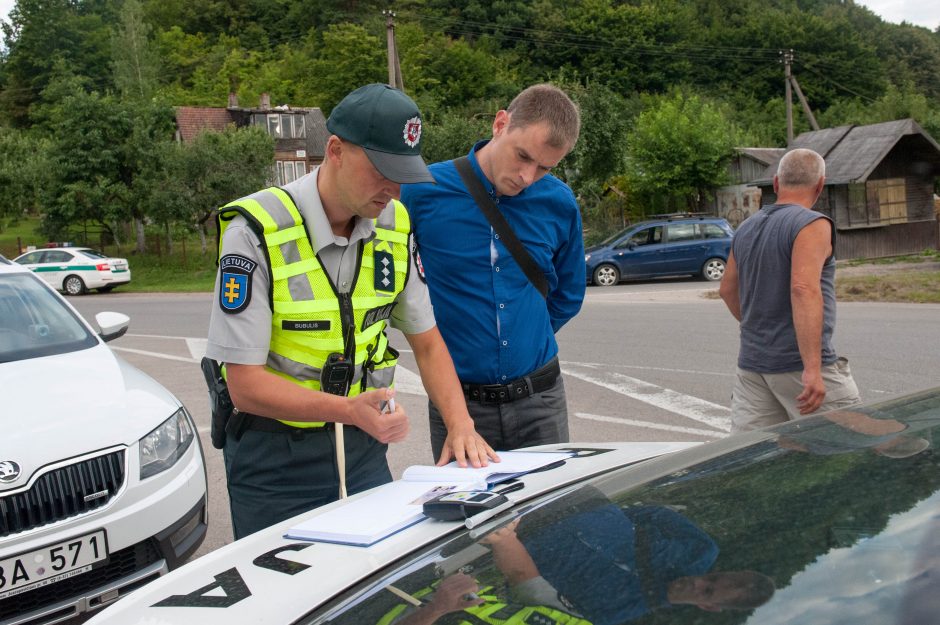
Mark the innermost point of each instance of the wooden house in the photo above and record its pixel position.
(299, 133)
(879, 187)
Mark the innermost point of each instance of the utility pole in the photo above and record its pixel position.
(394, 67)
(787, 59)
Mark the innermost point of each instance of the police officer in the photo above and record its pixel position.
(310, 275)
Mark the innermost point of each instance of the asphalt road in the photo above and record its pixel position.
(642, 361)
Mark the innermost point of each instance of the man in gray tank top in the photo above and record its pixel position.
(779, 284)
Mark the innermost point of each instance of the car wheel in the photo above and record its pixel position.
(713, 269)
(606, 275)
(73, 285)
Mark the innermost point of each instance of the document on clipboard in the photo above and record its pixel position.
(392, 507)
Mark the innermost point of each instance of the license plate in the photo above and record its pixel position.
(51, 563)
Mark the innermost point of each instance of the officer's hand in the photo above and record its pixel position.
(814, 392)
(366, 414)
(464, 445)
(456, 592)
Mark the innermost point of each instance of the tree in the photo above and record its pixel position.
(186, 182)
(24, 170)
(99, 147)
(133, 59)
(680, 148)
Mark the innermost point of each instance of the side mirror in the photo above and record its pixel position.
(113, 325)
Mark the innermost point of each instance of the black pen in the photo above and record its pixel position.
(511, 488)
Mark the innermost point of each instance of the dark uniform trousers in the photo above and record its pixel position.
(273, 476)
(537, 418)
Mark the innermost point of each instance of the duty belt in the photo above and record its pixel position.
(536, 382)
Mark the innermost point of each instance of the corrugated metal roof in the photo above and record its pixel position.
(851, 152)
(317, 134)
(766, 156)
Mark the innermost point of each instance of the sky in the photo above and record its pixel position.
(918, 12)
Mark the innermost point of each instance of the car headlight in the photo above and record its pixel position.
(160, 449)
(587, 257)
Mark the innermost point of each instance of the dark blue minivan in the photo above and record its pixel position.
(673, 245)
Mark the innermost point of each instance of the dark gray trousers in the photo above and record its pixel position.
(273, 476)
(538, 419)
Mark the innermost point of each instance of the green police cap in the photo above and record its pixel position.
(386, 124)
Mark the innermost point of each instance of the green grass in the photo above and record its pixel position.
(925, 256)
(918, 287)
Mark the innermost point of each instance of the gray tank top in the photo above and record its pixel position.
(762, 248)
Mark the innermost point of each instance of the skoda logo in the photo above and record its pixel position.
(9, 471)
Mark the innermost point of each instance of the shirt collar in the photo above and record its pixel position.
(472, 157)
(305, 193)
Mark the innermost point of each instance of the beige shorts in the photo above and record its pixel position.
(761, 399)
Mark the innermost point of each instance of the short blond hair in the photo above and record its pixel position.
(800, 168)
(547, 103)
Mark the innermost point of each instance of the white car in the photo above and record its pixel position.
(102, 477)
(75, 270)
(828, 520)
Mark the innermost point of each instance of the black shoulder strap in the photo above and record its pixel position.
(500, 225)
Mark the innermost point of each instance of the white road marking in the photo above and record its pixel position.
(407, 381)
(197, 347)
(649, 425)
(705, 412)
(645, 368)
(153, 354)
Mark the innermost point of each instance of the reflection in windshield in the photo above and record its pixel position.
(828, 520)
(33, 322)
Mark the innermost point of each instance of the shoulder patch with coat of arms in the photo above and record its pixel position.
(235, 282)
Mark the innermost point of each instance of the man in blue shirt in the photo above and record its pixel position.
(499, 328)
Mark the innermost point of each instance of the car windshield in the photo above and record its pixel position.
(830, 519)
(34, 322)
(614, 236)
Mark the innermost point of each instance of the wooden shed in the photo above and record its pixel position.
(879, 187)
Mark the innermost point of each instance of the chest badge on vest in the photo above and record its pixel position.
(384, 272)
(235, 282)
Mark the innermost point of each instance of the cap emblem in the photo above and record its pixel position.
(412, 133)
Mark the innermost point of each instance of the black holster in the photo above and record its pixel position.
(220, 402)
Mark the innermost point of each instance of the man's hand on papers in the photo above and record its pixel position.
(464, 445)
(366, 413)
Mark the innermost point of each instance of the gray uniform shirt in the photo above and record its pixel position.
(244, 338)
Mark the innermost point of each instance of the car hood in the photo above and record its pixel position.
(268, 579)
(62, 406)
(593, 248)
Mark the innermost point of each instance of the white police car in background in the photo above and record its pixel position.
(74, 270)
(102, 478)
(832, 519)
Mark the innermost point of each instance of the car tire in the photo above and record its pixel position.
(606, 275)
(713, 269)
(73, 285)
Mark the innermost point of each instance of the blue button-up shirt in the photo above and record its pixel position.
(496, 324)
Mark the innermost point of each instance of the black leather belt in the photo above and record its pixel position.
(536, 382)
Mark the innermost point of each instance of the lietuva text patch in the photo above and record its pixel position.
(235, 284)
(305, 325)
(374, 315)
(384, 271)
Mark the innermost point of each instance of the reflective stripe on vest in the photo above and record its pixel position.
(495, 612)
(310, 318)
